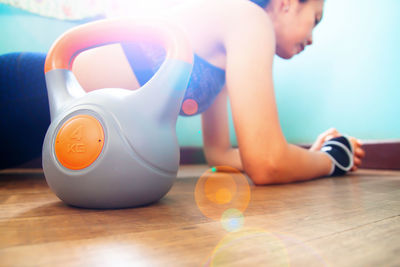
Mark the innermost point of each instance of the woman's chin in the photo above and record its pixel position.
(285, 55)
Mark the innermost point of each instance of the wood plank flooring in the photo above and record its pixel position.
(344, 221)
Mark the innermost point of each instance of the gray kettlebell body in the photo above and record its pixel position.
(116, 148)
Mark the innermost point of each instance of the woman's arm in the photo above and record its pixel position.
(217, 146)
(266, 156)
(104, 67)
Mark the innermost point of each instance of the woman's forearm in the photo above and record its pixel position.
(229, 157)
(297, 164)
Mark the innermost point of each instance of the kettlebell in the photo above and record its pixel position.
(113, 147)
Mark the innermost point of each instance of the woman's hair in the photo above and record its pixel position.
(264, 3)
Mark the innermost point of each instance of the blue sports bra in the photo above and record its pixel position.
(205, 83)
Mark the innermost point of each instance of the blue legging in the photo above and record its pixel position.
(24, 107)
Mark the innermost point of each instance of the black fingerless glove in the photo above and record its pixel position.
(340, 151)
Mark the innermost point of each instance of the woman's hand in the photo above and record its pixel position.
(322, 138)
(358, 152)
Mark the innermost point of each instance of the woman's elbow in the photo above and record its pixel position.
(264, 174)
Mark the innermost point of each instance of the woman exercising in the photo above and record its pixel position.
(234, 43)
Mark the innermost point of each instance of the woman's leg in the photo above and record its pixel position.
(24, 109)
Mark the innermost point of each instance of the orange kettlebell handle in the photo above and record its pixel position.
(90, 35)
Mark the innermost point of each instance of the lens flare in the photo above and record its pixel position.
(262, 246)
(190, 106)
(220, 190)
(232, 220)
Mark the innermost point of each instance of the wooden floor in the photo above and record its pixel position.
(347, 221)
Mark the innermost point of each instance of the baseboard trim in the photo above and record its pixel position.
(382, 155)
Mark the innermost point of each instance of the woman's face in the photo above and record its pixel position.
(294, 25)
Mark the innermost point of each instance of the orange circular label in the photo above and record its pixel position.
(79, 142)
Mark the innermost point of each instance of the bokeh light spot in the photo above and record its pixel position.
(223, 196)
(250, 242)
(219, 189)
(232, 220)
(189, 106)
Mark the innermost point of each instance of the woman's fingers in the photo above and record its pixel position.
(354, 168)
(323, 137)
(357, 161)
(359, 152)
(329, 134)
(359, 142)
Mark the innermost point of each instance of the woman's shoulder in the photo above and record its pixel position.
(240, 11)
(228, 6)
(232, 17)
(210, 23)
(244, 19)
(228, 13)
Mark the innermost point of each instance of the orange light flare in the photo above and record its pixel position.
(220, 189)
